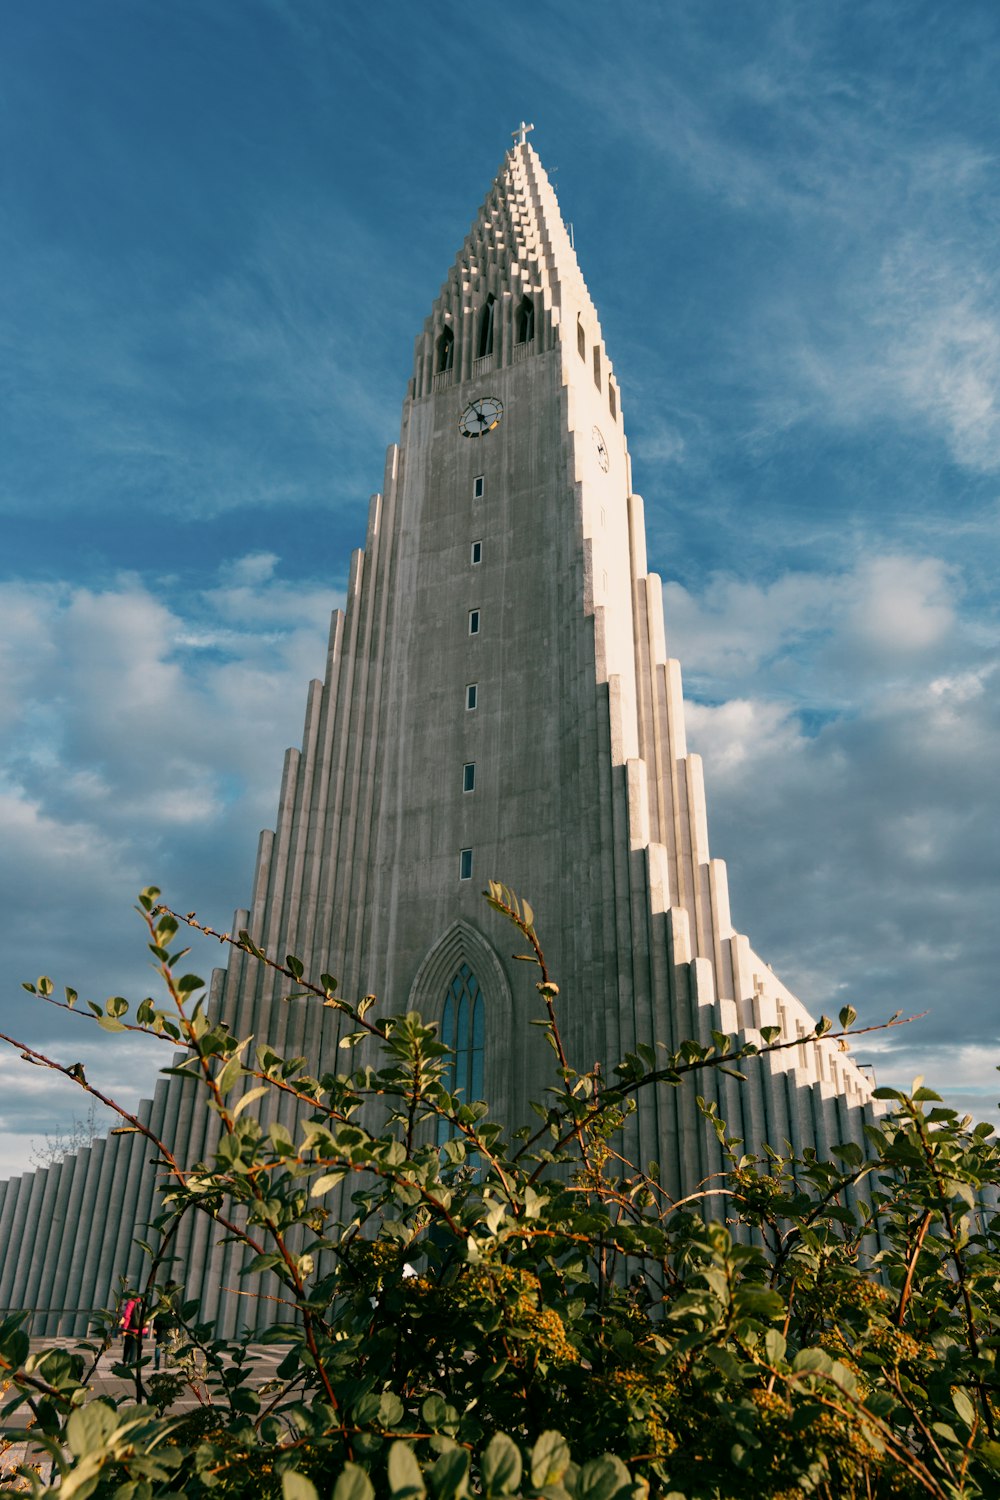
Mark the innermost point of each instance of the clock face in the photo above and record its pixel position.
(602, 449)
(480, 417)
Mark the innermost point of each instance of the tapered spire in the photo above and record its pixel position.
(517, 251)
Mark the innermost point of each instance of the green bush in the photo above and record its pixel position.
(530, 1314)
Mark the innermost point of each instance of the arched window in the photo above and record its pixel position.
(445, 350)
(486, 326)
(463, 1029)
(526, 321)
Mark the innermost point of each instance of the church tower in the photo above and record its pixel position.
(498, 704)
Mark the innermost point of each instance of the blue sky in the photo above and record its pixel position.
(223, 226)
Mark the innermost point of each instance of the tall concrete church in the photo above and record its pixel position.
(499, 703)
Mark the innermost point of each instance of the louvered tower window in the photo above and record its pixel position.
(486, 319)
(445, 350)
(525, 321)
(463, 1029)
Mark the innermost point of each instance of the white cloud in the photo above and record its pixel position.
(128, 756)
(900, 606)
(852, 792)
(37, 1104)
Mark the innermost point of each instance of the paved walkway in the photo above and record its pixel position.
(264, 1360)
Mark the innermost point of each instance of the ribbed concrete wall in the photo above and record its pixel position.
(586, 800)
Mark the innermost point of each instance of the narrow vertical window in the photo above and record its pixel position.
(526, 321)
(465, 865)
(479, 486)
(597, 366)
(469, 776)
(486, 320)
(445, 350)
(463, 1030)
(612, 402)
(477, 552)
(581, 338)
(473, 622)
(472, 695)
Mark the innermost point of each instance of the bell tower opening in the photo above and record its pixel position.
(445, 351)
(486, 321)
(525, 321)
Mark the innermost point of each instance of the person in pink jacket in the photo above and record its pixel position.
(131, 1332)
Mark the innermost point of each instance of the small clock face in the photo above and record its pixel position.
(602, 449)
(480, 417)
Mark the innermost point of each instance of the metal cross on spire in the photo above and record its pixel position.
(520, 135)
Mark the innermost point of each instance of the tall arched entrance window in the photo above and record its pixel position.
(463, 1029)
(461, 985)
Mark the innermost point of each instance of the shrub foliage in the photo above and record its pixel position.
(530, 1314)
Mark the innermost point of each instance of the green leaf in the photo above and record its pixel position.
(434, 1412)
(325, 1183)
(964, 1407)
(724, 1361)
(774, 1346)
(248, 1098)
(294, 965)
(848, 1016)
(390, 1409)
(450, 1475)
(602, 1478)
(189, 982)
(230, 1073)
(13, 1340)
(353, 1484)
(812, 1361)
(500, 1466)
(955, 1189)
(295, 1486)
(90, 1427)
(263, 1262)
(405, 1476)
(989, 1452)
(549, 1459)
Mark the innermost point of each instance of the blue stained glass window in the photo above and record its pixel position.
(463, 1029)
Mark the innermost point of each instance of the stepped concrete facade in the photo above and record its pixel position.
(499, 703)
